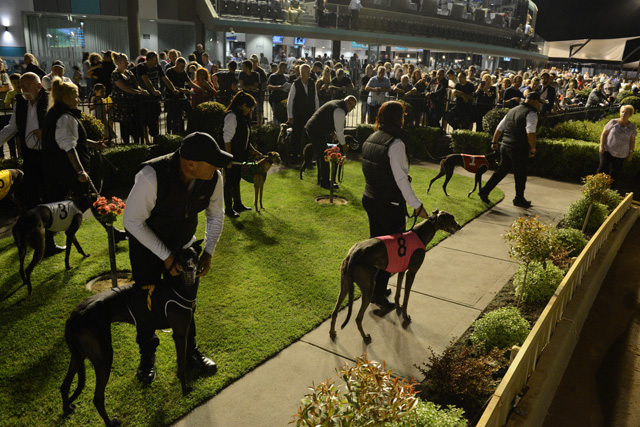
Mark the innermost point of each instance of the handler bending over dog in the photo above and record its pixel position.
(387, 188)
(161, 217)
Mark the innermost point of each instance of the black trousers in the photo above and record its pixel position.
(610, 165)
(232, 178)
(148, 269)
(319, 143)
(384, 218)
(511, 158)
(34, 179)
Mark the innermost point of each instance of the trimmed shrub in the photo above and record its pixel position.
(422, 141)
(372, 397)
(94, 127)
(408, 112)
(492, 119)
(207, 117)
(623, 94)
(572, 239)
(363, 131)
(166, 144)
(577, 212)
(632, 100)
(429, 414)
(469, 142)
(463, 378)
(582, 130)
(126, 158)
(542, 281)
(280, 111)
(265, 138)
(564, 159)
(612, 199)
(583, 94)
(500, 329)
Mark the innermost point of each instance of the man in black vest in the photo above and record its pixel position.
(27, 123)
(326, 121)
(518, 132)
(301, 104)
(161, 220)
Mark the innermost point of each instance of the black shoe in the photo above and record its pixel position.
(53, 250)
(201, 364)
(231, 213)
(119, 235)
(241, 208)
(382, 302)
(522, 203)
(484, 198)
(146, 372)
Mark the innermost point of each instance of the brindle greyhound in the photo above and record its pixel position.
(30, 228)
(365, 257)
(474, 164)
(88, 329)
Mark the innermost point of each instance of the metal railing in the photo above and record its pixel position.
(525, 362)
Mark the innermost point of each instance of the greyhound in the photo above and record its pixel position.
(30, 228)
(474, 164)
(88, 329)
(257, 174)
(365, 257)
(284, 143)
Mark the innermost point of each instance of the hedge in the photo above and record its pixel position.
(470, 142)
(421, 139)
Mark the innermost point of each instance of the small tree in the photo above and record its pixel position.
(531, 240)
(595, 189)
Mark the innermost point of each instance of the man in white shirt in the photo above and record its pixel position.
(57, 70)
(161, 217)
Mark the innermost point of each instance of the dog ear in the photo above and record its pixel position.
(197, 245)
(435, 212)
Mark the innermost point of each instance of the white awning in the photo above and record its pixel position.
(595, 49)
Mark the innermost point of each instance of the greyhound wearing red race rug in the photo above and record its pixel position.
(474, 164)
(365, 257)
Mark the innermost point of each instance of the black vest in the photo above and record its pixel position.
(22, 106)
(240, 140)
(304, 104)
(55, 160)
(376, 166)
(321, 123)
(515, 133)
(174, 218)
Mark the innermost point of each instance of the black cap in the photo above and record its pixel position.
(533, 95)
(58, 63)
(201, 147)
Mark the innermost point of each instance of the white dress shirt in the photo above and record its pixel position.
(142, 200)
(11, 129)
(67, 132)
(400, 169)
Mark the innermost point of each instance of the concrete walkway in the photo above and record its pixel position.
(458, 278)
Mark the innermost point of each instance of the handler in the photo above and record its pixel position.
(161, 217)
(518, 132)
(387, 186)
(325, 121)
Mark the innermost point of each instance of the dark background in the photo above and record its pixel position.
(578, 19)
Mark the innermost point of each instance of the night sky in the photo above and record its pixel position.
(578, 19)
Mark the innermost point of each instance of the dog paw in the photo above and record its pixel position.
(367, 339)
(67, 267)
(113, 422)
(86, 255)
(186, 389)
(333, 335)
(406, 321)
(68, 408)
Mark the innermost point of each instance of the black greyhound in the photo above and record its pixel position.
(365, 257)
(474, 164)
(88, 329)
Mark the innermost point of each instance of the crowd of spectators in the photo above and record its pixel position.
(135, 94)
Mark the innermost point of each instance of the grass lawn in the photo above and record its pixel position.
(275, 277)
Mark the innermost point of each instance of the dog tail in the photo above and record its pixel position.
(346, 279)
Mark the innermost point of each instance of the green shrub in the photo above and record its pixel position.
(612, 199)
(577, 212)
(572, 239)
(461, 377)
(280, 111)
(564, 159)
(631, 100)
(207, 117)
(265, 138)
(422, 140)
(583, 94)
(11, 163)
(429, 414)
(582, 130)
(408, 112)
(94, 127)
(492, 119)
(623, 94)
(469, 142)
(500, 329)
(372, 397)
(167, 144)
(363, 131)
(120, 165)
(542, 281)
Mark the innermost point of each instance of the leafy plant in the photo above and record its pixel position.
(469, 142)
(572, 239)
(207, 117)
(577, 212)
(492, 119)
(633, 101)
(429, 414)
(500, 329)
(408, 112)
(169, 143)
(372, 397)
(623, 94)
(612, 199)
(94, 127)
(530, 240)
(542, 282)
(462, 377)
(594, 187)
